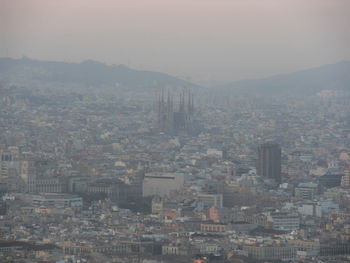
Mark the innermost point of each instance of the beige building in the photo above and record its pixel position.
(210, 200)
(213, 227)
(345, 180)
(157, 205)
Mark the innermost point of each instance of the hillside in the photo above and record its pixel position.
(334, 77)
(88, 73)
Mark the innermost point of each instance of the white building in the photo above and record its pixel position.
(284, 221)
(306, 191)
(214, 153)
(56, 200)
(310, 209)
(162, 184)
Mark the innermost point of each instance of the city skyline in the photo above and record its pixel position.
(162, 131)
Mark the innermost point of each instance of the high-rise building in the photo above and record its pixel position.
(269, 161)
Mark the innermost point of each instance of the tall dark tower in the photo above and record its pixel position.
(269, 161)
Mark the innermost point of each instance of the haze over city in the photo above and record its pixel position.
(203, 41)
(173, 131)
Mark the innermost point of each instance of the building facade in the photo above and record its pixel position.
(162, 184)
(269, 161)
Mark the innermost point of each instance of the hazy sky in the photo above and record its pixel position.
(204, 40)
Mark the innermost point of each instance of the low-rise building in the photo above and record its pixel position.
(306, 191)
(56, 200)
(284, 221)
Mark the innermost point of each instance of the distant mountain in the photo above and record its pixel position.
(335, 77)
(88, 73)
